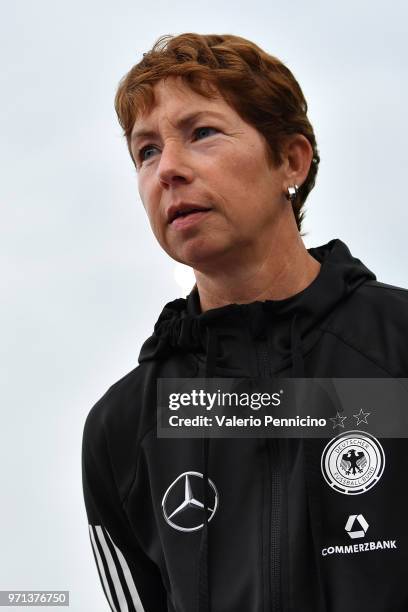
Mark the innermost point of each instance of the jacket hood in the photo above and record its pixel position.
(182, 326)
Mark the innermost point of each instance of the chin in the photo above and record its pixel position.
(201, 257)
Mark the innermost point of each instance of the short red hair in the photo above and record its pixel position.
(260, 88)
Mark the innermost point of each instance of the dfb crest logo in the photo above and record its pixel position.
(353, 462)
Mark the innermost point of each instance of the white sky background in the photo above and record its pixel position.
(82, 278)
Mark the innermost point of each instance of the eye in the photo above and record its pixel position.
(203, 129)
(144, 150)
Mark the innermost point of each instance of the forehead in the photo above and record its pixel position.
(176, 102)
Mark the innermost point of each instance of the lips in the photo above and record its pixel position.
(183, 222)
(191, 212)
(184, 210)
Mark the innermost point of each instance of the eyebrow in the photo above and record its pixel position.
(183, 122)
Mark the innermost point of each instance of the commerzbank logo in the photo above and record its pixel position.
(356, 527)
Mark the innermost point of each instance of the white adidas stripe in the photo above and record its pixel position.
(128, 577)
(101, 569)
(112, 570)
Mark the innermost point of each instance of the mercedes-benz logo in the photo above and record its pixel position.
(182, 508)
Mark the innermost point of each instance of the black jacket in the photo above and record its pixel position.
(283, 537)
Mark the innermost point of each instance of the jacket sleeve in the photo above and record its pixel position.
(131, 581)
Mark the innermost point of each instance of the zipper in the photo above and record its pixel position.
(274, 489)
(276, 506)
(263, 362)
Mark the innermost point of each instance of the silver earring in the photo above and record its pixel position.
(291, 193)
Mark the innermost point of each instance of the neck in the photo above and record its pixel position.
(275, 271)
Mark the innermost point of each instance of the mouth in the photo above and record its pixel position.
(184, 210)
(183, 219)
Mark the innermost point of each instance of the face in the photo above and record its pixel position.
(200, 153)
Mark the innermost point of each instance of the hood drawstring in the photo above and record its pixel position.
(298, 366)
(311, 455)
(204, 599)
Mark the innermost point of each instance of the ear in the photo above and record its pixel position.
(297, 157)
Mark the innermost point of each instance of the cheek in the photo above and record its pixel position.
(154, 220)
(241, 177)
(149, 202)
(243, 168)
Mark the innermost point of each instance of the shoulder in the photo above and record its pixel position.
(375, 300)
(374, 319)
(380, 302)
(126, 411)
(116, 426)
(383, 292)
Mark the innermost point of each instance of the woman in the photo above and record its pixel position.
(225, 158)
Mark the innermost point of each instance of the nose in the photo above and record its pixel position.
(175, 164)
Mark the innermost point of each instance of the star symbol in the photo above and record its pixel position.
(361, 417)
(189, 500)
(338, 420)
